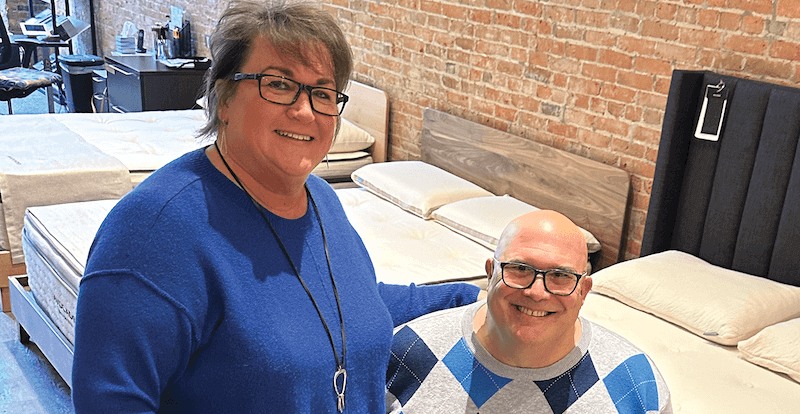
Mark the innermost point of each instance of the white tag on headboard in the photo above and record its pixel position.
(712, 113)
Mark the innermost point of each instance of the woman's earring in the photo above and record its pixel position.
(221, 141)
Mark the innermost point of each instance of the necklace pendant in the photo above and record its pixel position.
(341, 372)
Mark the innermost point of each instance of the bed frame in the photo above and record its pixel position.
(592, 194)
(501, 162)
(735, 202)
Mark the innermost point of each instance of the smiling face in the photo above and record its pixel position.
(271, 141)
(527, 325)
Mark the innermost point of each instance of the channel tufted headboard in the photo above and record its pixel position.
(734, 202)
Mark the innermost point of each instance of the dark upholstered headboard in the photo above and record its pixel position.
(735, 202)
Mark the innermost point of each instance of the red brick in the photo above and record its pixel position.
(708, 18)
(729, 21)
(675, 52)
(617, 59)
(583, 53)
(703, 38)
(666, 11)
(601, 38)
(653, 66)
(598, 105)
(659, 30)
(652, 100)
(647, 135)
(630, 24)
(613, 126)
(594, 139)
(561, 129)
(637, 166)
(757, 6)
(785, 50)
(636, 80)
(753, 24)
(582, 85)
(652, 116)
(498, 4)
(528, 7)
(637, 45)
(593, 18)
(580, 101)
(558, 14)
(506, 113)
(480, 16)
(633, 113)
(430, 6)
(788, 8)
(764, 67)
(618, 93)
(755, 46)
(606, 73)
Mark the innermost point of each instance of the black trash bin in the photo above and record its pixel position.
(77, 72)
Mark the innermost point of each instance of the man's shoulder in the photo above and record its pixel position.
(451, 318)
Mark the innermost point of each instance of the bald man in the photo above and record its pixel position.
(525, 348)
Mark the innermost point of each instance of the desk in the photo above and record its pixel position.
(30, 44)
(141, 83)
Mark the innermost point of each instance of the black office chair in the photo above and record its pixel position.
(15, 80)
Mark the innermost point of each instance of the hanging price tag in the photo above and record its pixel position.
(712, 113)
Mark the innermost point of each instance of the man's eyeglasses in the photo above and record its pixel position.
(285, 91)
(522, 276)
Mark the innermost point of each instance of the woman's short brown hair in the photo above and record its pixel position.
(288, 25)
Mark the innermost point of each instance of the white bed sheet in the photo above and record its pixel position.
(703, 377)
(405, 248)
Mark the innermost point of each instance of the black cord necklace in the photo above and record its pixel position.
(340, 376)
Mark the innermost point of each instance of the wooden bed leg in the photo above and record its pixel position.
(7, 268)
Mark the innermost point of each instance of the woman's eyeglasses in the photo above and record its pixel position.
(285, 91)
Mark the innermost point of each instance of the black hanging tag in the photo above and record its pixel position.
(712, 113)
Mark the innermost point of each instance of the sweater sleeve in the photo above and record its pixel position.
(409, 302)
(131, 341)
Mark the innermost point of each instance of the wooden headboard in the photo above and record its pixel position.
(592, 194)
(734, 202)
(368, 108)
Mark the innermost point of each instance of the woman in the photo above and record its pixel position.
(231, 280)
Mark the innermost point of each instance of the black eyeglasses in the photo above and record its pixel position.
(285, 91)
(522, 276)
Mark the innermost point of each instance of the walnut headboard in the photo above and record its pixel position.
(592, 194)
(734, 202)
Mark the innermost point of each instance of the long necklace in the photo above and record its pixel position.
(340, 376)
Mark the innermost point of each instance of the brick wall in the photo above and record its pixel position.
(586, 76)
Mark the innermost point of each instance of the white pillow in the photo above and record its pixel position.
(415, 186)
(777, 347)
(721, 305)
(483, 219)
(351, 138)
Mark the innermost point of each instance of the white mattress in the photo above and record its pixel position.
(703, 377)
(404, 248)
(56, 241)
(140, 142)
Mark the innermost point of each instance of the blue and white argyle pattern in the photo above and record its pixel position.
(458, 382)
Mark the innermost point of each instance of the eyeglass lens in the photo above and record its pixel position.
(557, 282)
(284, 91)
